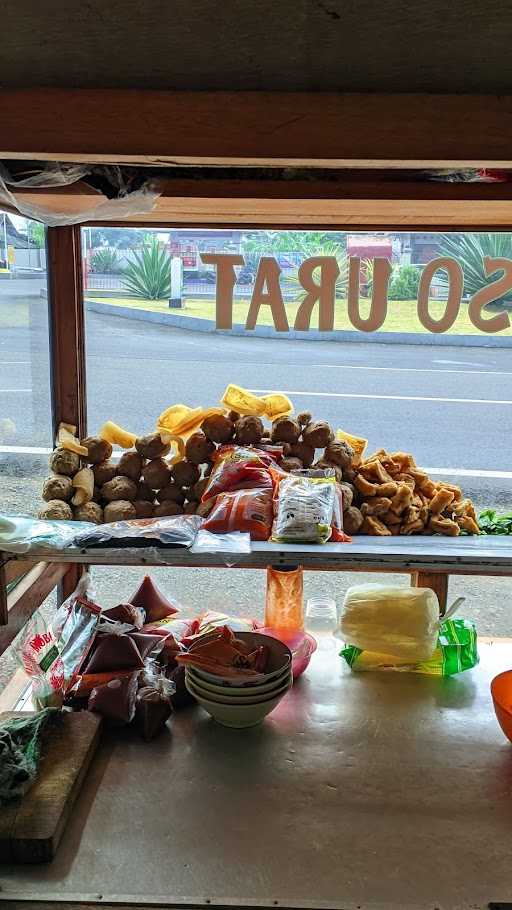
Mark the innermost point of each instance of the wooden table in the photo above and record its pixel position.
(371, 791)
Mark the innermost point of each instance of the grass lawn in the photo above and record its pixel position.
(402, 314)
(13, 315)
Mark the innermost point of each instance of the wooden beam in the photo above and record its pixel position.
(16, 568)
(278, 128)
(67, 343)
(28, 596)
(437, 582)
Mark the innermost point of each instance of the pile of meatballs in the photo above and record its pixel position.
(145, 483)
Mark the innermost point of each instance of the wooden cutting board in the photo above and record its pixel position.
(30, 830)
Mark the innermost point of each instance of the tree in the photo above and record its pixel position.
(470, 250)
(36, 234)
(404, 283)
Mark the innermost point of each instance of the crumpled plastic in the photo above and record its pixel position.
(246, 403)
(20, 749)
(127, 202)
(23, 534)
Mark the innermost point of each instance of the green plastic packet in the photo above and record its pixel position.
(456, 651)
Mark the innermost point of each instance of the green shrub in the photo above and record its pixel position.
(105, 260)
(404, 283)
(469, 250)
(149, 275)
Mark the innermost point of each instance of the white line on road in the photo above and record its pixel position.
(383, 397)
(4, 363)
(16, 390)
(453, 472)
(329, 366)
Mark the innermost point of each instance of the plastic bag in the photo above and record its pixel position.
(305, 509)
(235, 543)
(123, 198)
(212, 620)
(240, 467)
(284, 601)
(173, 531)
(400, 622)
(52, 652)
(248, 511)
(456, 651)
(244, 402)
(24, 534)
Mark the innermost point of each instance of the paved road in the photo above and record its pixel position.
(452, 407)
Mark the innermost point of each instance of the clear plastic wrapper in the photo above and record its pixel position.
(120, 195)
(52, 652)
(236, 542)
(23, 534)
(305, 509)
(170, 532)
(400, 622)
(456, 650)
(211, 620)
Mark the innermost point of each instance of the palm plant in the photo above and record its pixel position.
(105, 260)
(149, 275)
(470, 250)
(330, 248)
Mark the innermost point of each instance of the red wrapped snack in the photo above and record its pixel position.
(240, 467)
(246, 510)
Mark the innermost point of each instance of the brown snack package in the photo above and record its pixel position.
(152, 710)
(115, 700)
(112, 651)
(149, 596)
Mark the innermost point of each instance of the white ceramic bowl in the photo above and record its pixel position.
(226, 698)
(237, 691)
(239, 716)
(280, 657)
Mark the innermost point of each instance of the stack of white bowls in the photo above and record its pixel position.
(235, 704)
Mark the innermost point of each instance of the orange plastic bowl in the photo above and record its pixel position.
(501, 691)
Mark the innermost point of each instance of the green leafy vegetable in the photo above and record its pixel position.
(492, 523)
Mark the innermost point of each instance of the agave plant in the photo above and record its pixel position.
(105, 260)
(329, 248)
(470, 249)
(149, 275)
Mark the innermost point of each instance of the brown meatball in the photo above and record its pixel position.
(171, 493)
(304, 452)
(352, 520)
(198, 489)
(143, 508)
(156, 473)
(152, 446)
(130, 465)
(318, 434)
(120, 510)
(304, 418)
(199, 449)
(64, 462)
(190, 508)
(218, 428)
(291, 464)
(185, 474)
(90, 511)
(348, 495)
(145, 492)
(249, 431)
(57, 487)
(56, 510)
(96, 494)
(285, 429)
(98, 449)
(119, 488)
(167, 508)
(339, 453)
(103, 472)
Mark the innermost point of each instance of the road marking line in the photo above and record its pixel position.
(453, 472)
(16, 390)
(383, 397)
(4, 363)
(415, 370)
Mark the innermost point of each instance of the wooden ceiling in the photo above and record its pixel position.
(274, 45)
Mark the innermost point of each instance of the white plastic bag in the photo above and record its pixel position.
(402, 623)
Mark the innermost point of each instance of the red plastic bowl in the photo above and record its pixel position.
(501, 691)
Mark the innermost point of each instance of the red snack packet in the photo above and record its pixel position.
(238, 467)
(246, 510)
(149, 596)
